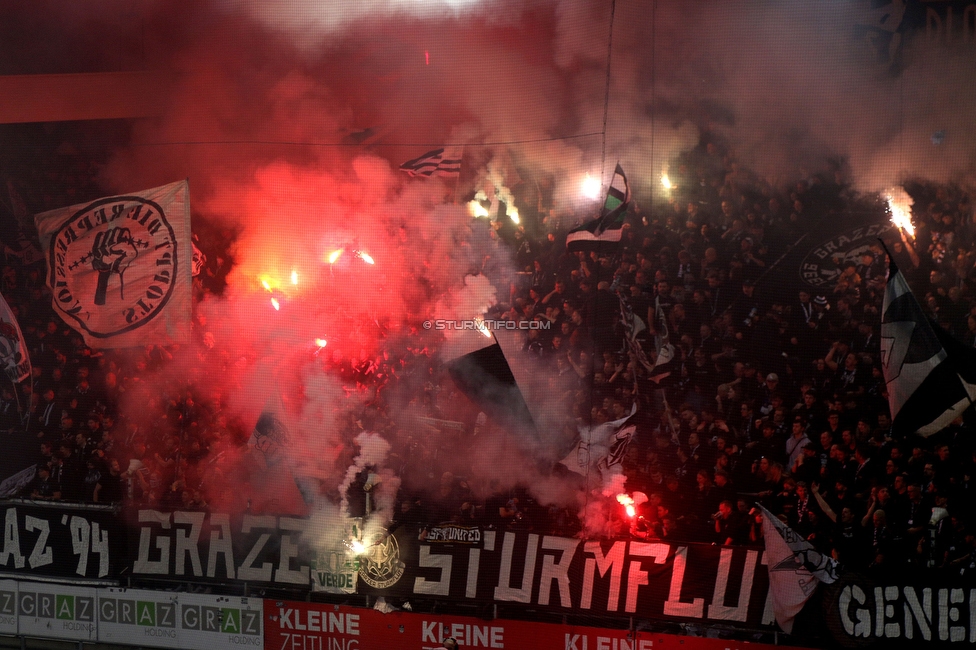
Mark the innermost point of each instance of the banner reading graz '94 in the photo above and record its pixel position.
(600, 577)
(69, 543)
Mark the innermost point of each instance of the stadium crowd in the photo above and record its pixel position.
(770, 401)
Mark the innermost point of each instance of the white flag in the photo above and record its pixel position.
(13, 351)
(794, 568)
(12, 485)
(602, 446)
(119, 267)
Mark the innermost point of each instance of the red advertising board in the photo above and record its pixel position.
(315, 626)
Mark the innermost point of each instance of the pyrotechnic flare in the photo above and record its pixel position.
(365, 257)
(627, 503)
(480, 322)
(334, 256)
(321, 343)
(476, 210)
(591, 187)
(294, 277)
(666, 180)
(900, 207)
(631, 501)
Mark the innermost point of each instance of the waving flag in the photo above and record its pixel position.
(119, 267)
(601, 447)
(13, 351)
(633, 326)
(486, 378)
(930, 377)
(439, 162)
(604, 232)
(795, 569)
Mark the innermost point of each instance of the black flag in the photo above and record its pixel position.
(929, 375)
(486, 378)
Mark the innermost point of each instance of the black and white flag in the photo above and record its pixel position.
(119, 267)
(14, 358)
(795, 569)
(929, 376)
(601, 447)
(604, 232)
(486, 378)
(445, 161)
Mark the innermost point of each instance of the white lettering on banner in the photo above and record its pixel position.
(928, 613)
(247, 570)
(164, 538)
(289, 551)
(143, 564)
(467, 636)
(739, 612)
(440, 587)
(221, 543)
(558, 571)
(612, 562)
(64, 607)
(319, 621)
(673, 606)
(86, 537)
(187, 543)
(581, 642)
(636, 576)
(522, 593)
(42, 554)
(11, 540)
(474, 564)
(7, 602)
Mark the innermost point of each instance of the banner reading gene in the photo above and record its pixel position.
(119, 267)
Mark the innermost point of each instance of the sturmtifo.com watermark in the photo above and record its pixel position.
(486, 325)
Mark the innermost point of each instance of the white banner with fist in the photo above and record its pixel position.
(119, 267)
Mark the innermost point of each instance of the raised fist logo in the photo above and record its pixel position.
(112, 252)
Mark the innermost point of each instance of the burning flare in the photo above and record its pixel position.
(628, 504)
(334, 256)
(666, 180)
(591, 187)
(321, 343)
(480, 323)
(476, 210)
(275, 304)
(294, 277)
(900, 207)
(364, 256)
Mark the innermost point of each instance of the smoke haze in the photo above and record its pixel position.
(290, 120)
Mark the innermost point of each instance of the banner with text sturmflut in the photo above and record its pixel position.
(618, 577)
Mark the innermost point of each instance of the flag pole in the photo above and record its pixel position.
(457, 180)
